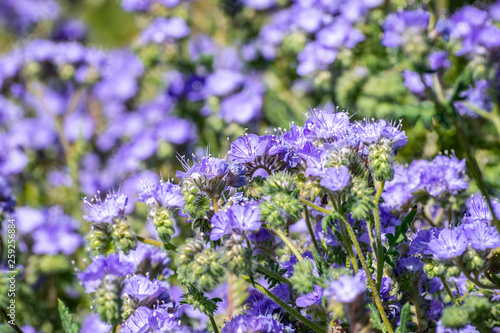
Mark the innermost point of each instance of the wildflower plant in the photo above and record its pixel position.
(365, 261)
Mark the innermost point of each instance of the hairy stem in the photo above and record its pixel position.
(309, 227)
(214, 324)
(378, 231)
(170, 246)
(448, 290)
(263, 270)
(313, 205)
(376, 295)
(288, 243)
(288, 308)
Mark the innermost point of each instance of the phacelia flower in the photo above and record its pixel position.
(141, 291)
(105, 211)
(335, 179)
(238, 219)
(347, 288)
(400, 27)
(449, 244)
(111, 267)
(164, 194)
(248, 323)
(482, 236)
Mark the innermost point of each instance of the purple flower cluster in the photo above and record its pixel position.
(401, 27)
(151, 320)
(237, 219)
(50, 230)
(261, 323)
(331, 26)
(164, 194)
(442, 176)
(347, 289)
(109, 268)
(105, 211)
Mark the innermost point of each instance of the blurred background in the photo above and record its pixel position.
(97, 95)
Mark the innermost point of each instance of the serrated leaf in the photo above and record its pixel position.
(405, 319)
(399, 235)
(67, 319)
(375, 319)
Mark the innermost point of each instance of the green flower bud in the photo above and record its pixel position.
(302, 278)
(99, 240)
(108, 302)
(124, 236)
(360, 203)
(433, 269)
(200, 266)
(164, 223)
(380, 160)
(282, 182)
(473, 260)
(280, 209)
(239, 257)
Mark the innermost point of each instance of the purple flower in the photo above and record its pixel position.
(105, 211)
(482, 236)
(241, 107)
(165, 194)
(310, 298)
(261, 323)
(449, 244)
(238, 219)
(414, 82)
(222, 82)
(439, 60)
(259, 4)
(139, 322)
(326, 125)
(478, 96)
(111, 267)
(199, 45)
(92, 324)
(162, 320)
(400, 27)
(420, 244)
(144, 292)
(7, 200)
(136, 5)
(315, 57)
(478, 210)
(335, 179)
(248, 148)
(347, 288)
(164, 30)
(148, 259)
(467, 329)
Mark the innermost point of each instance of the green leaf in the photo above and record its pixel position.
(405, 319)
(399, 234)
(274, 267)
(67, 319)
(375, 319)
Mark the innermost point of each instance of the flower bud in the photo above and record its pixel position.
(123, 236)
(99, 241)
(108, 301)
(380, 159)
(164, 223)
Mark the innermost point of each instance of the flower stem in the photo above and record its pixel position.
(376, 295)
(289, 243)
(448, 290)
(309, 227)
(262, 269)
(318, 208)
(170, 246)
(214, 324)
(378, 231)
(288, 308)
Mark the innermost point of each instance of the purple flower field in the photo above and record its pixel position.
(249, 166)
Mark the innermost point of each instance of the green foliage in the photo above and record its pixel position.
(405, 319)
(197, 300)
(67, 319)
(303, 277)
(375, 319)
(4, 328)
(400, 230)
(274, 267)
(474, 310)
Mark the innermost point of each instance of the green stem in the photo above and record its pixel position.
(475, 281)
(309, 227)
(214, 324)
(262, 269)
(378, 231)
(312, 205)
(288, 308)
(14, 327)
(289, 243)
(376, 295)
(461, 299)
(170, 246)
(448, 290)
